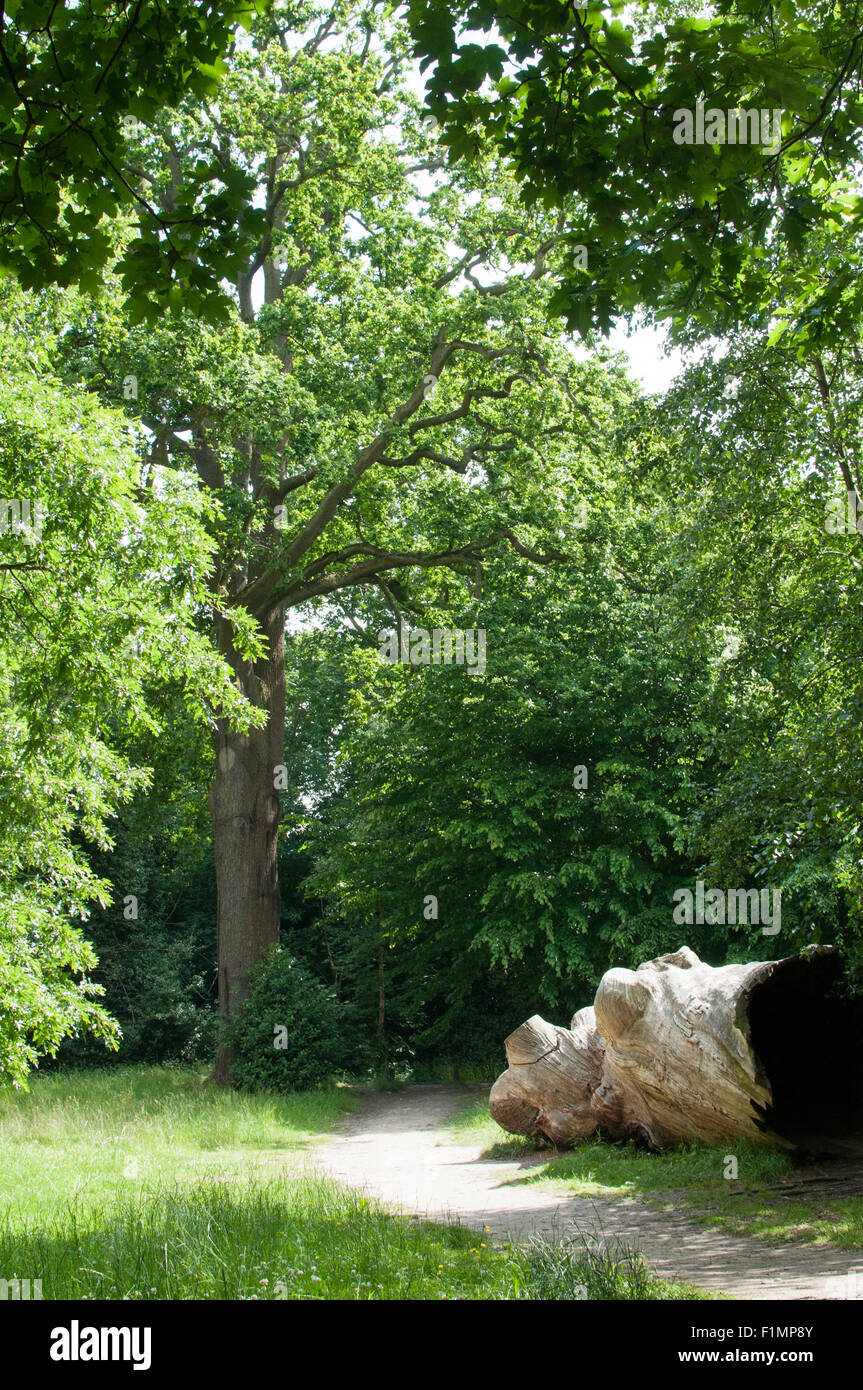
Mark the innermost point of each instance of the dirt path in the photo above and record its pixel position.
(394, 1148)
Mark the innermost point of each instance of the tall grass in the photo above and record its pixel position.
(580, 1268)
(298, 1239)
(282, 1239)
(145, 1184)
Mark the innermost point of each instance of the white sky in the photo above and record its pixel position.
(646, 349)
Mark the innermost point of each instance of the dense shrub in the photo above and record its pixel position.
(322, 1037)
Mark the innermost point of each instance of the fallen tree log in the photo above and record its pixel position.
(770, 1051)
(552, 1075)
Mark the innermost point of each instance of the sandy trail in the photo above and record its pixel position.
(394, 1147)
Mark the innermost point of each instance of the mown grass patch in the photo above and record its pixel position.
(777, 1218)
(598, 1166)
(472, 1124)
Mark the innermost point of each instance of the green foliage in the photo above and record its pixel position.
(155, 940)
(98, 602)
(75, 79)
(751, 442)
(463, 788)
(705, 513)
(586, 114)
(291, 1033)
(379, 267)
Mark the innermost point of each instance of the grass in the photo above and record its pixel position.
(601, 1274)
(142, 1183)
(787, 1219)
(90, 1136)
(299, 1240)
(599, 1168)
(690, 1178)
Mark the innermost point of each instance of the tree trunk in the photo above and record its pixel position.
(382, 1000)
(677, 1050)
(244, 805)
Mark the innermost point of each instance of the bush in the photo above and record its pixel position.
(288, 1005)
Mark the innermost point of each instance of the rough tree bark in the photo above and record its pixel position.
(679, 1050)
(244, 806)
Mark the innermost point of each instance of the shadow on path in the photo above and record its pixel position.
(394, 1147)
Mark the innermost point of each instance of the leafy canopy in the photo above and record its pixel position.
(77, 78)
(582, 101)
